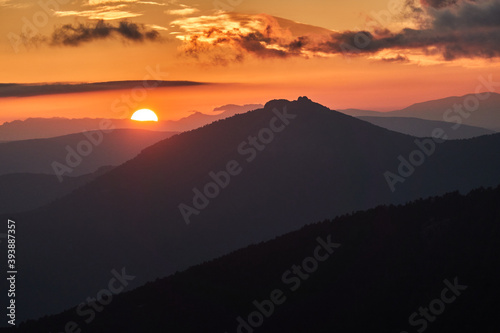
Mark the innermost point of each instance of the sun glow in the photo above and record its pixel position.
(144, 115)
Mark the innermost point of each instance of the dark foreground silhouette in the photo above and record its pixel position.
(430, 265)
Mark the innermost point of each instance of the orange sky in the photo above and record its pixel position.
(251, 72)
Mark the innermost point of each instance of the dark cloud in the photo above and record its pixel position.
(256, 43)
(468, 30)
(398, 58)
(469, 16)
(438, 3)
(76, 34)
(454, 29)
(25, 90)
(461, 42)
(230, 46)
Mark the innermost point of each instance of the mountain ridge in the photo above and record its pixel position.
(423, 128)
(76, 154)
(39, 128)
(315, 164)
(469, 109)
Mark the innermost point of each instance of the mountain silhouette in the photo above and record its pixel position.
(75, 154)
(242, 180)
(385, 264)
(423, 128)
(198, 119)
(36, 128)
(362, 113)
(472, 109)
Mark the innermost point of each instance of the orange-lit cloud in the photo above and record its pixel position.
(183, 11)
(226, 37)
(107, 9)
(13, 4)
(449, 30)
(100, 13)
(102, 2)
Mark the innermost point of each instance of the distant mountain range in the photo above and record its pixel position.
(423, 128)
(75, 154)
(482, 111)
(383, 268)
(362, 113)
(468, 116)
(242, 180)
(198, 119)
(33, 128)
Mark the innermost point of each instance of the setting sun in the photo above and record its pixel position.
(144, 115)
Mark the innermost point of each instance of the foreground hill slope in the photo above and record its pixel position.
(386, 264)
(291, 163)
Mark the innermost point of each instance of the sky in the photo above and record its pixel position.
(368, 54)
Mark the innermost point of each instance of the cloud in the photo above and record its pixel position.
(185, 10)
(104, 2)
(25, 90)
(451, 30)
(77, 34)
(225, 37)
(439, 3)
(157, 27)
(398, 58)
(469, 17)
(100, 13)
(225, 22)
(11, 4)
(107, 9)
(151, 3)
